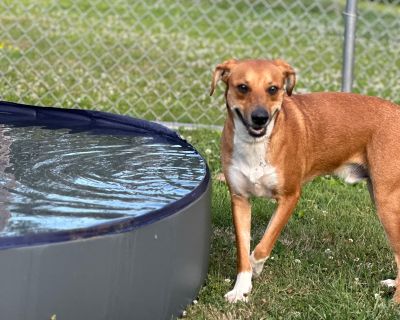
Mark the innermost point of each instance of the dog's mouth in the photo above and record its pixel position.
(255, 131)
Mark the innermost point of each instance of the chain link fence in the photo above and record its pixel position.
(153, 59)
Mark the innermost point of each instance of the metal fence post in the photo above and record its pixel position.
(350, 15)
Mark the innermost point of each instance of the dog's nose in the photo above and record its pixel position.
(259, 117)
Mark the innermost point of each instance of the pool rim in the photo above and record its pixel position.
(22, 115)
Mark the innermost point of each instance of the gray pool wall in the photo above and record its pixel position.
(148, 267)
(152, 272)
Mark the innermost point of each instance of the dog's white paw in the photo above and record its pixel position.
(389, 283)
(241, 289)
(235, 295)
(257, 265)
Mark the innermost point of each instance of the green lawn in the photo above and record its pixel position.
(327, 264)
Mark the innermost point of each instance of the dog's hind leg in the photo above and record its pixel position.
(384, 170)
(371, 190)
(389, 214)
(392, 228)
(388, 283)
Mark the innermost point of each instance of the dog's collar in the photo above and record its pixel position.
(247, 125)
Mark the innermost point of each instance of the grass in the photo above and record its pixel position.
(327, 264)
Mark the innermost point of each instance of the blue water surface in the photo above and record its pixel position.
(56, 180)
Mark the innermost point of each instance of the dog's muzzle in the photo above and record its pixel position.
(259, 118)
(259, 122)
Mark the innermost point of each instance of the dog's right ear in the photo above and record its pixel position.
(221, 72)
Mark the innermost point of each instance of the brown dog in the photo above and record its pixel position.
(273, 142)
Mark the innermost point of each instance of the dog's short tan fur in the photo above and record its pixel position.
(306, 135)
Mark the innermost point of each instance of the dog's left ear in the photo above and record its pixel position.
(289, 74)
(221, 72)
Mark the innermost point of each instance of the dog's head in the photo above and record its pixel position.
(254, 90)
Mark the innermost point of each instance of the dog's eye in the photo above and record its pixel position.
(243, 88)
(272, 90)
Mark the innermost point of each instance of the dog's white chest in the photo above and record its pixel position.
(250, 173)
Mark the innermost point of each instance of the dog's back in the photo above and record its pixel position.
(333, 128)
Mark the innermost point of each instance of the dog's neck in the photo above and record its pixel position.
(249, 169)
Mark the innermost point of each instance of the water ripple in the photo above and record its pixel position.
(54, 180)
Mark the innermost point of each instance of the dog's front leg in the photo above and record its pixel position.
(262, 251)
(241, 212)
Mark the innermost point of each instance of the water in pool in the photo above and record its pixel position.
(55, 180)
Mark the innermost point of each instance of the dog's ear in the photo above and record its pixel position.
(289, 74)
(221, 72)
